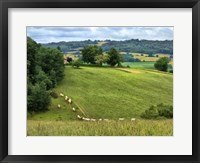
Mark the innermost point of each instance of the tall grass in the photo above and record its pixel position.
(112, 128)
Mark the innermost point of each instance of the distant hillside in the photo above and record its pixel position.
(133, 45)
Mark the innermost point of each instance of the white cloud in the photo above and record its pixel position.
(56, 34)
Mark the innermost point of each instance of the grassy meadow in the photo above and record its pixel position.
(107, 93)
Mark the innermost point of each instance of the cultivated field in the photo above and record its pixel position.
(107, 93)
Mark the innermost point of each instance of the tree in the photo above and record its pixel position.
(129, 58)
(77, 63)
(100, 59)
(51, 60)
(150, 55)
(58, 47)
(114, 57)
(90, 52)
(32, 48)
(42, 77)
(69, 59)
(45, 67)
(162, 64)
(38, 97)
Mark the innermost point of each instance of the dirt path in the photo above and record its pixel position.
(138, 71)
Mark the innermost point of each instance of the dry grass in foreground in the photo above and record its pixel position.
(113, 128)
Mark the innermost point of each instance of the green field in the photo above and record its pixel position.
(140, 65)
(107, 93)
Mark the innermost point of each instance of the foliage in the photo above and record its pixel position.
(162, 64)
(45, 68)
(51, 61)
(129, 58)
(38, 97)
(150, 55)
(77, 63)
(53, 94)
(100, 59)
(151, 113)
(69, 59)
(90, 52)
(42, 77)
(58, 47)
(114, 57)
(133, 45)
(165, 110)
(158, 111)
(32, 48)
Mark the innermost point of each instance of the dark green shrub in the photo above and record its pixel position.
(162, 64)
(77, 63)
(150, 113)
(158, 112)
(54, 94)
(165, 111)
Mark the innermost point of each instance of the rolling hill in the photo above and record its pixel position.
(133, 45)
(106, 93)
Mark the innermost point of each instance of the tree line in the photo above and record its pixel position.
(45, 68)
(133, 45)
(94, 55)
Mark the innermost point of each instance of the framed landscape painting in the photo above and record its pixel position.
(99, 81)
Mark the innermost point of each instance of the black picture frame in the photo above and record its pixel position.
(6, 4)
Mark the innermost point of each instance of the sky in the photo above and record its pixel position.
(56, 34)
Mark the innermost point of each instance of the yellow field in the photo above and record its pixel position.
(101, 43)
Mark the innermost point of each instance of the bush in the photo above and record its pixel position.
(38, 98)
(54, 94)
(128, 66)
(171, 71)
(150, 113)
(165, 111)
(162, 64)
(77, 63)
(158, 112)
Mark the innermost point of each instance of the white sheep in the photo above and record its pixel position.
(107, 120)
(61, 94)
(70, 101)
(100, 119)
(74, 109)
(86, 119)
(93, 120)
(66, 98)
(59, 106)
(79, 117)
(132, 119)
(121, 119)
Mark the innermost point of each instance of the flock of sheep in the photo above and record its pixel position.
(69, 100)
